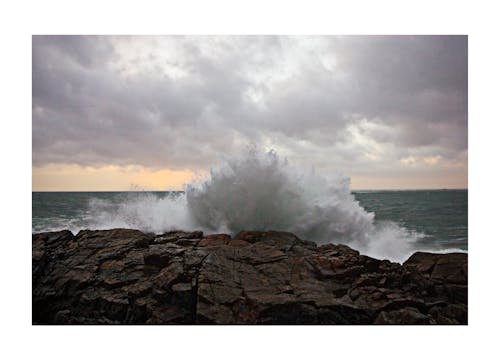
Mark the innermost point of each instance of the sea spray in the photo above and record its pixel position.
(261, 191)
(144, 211)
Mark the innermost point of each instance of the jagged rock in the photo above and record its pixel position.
(449, 268)
(450, 314)
(174, 236)
(160, 255)
(406, 316)
(215, 240)
(124, 276)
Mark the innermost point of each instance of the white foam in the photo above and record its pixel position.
(144, 211)
(260, 191)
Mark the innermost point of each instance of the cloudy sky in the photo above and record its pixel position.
(113, 113)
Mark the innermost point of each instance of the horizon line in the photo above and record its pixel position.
(352, 190)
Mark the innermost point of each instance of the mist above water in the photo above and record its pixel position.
(261, 191)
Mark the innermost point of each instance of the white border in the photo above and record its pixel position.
(19, 21)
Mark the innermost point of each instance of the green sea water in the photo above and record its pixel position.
(439, 216)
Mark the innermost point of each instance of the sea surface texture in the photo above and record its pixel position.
(430, 220)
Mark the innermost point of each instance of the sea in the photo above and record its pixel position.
(431, 220)
(261, 191)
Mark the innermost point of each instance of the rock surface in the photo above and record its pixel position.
(124, 276)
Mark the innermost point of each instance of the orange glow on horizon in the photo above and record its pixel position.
(107, 178)
(127, 178)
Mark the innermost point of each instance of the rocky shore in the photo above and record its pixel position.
(126, 276)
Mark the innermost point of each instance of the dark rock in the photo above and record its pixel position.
(52, 238)
(450, 268)
(160, 255)
(169, 275)
(406, 316)
(173, 236)
(238, 243)
(450, 314)
(187, 242)
(124, 276)
(215, 240)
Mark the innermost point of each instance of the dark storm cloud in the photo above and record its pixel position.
(178, 102)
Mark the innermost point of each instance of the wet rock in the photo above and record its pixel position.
(160, 255)
(406, 316)
(124, 276)
(215, 240)
(449, 268)
(187, 242)
(173, 236)
(238, 243)
(52, 238)
(450, 314)
(169, 275)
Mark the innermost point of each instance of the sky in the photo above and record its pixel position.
(154, 112)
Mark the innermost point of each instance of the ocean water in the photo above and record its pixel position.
(260, 191)
(439, 215)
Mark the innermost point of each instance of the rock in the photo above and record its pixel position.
(450, 314)
(124, 276)
(238, 243)
(406, 316)
(450, 268)
(214, 240)
(169, 275)
(187, 242)
(173, 236)
(160, 255)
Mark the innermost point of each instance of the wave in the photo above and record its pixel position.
(144, 211)
(261, 191)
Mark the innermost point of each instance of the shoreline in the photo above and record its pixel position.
(428, 249)
(125, 276)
